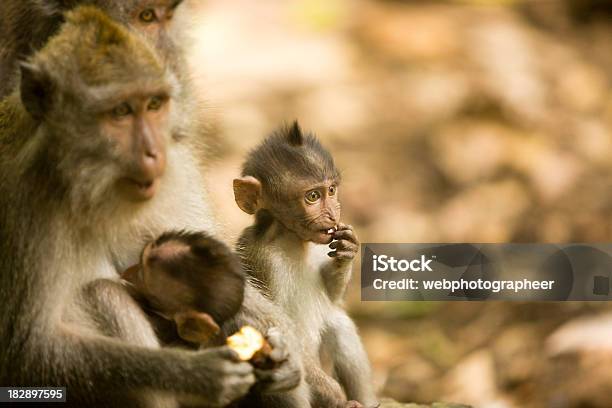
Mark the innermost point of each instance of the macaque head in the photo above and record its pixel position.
(294, 178)
(190, 278)
(152, 18)
(101, 98)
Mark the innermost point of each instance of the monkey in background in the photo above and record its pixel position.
(190, 280)
(26, 26)
(290, 183)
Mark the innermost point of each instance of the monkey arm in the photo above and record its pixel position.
(90, 364)
(336, 275)
(325, 390)
(104, 353)
(265, 316)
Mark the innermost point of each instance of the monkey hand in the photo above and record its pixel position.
(345, 245)
(222, 376)
(287, 373)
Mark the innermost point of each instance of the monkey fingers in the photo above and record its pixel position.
(346, 234)
(224, 377)
(343, 250)
(280, 351)
(287, 375)
(285, 378)
(344, 245)
(342, 255)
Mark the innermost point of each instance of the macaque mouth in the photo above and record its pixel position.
(144, 186)
(327, 231)
(143, 189)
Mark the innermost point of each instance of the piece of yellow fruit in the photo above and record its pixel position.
(246, 342)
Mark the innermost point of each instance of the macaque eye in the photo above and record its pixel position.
(147, 16)
(313, 196)
(122, 110)
(155, 103)
(332, 190)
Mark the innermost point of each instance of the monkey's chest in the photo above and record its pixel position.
(302, 294)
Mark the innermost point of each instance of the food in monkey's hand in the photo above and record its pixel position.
(251, 346)
(246, 342)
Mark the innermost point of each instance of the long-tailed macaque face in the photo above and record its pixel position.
(321, 211)
(137, 127)
(150, 17)
(104, 99)
(293, 177)
(153, 19)
(310, 209)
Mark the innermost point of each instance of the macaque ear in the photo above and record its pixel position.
(196, 327)
(247, 192)
(36, 91)
(131, 274)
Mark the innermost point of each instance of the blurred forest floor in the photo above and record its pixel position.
(453, 121)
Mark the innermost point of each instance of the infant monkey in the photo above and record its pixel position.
(190, 279)
(302, 256)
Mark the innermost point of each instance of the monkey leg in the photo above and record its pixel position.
(114, 313)
(324, 389)
(298, 397)
(349, 358)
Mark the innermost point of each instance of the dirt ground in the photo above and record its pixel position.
(453, 121)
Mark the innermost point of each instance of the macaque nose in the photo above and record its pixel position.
(333, 219)
(151, 152)
(152, 162)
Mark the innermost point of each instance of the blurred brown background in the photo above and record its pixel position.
(474, 121)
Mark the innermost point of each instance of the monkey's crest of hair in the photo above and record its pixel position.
(94, 49)
(287, 154)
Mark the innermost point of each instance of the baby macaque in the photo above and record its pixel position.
(190, 279)
(302, 255)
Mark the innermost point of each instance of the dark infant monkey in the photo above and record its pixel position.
(301, 254)
(190, 284)
(192, 281)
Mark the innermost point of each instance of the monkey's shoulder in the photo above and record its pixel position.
(15, 124)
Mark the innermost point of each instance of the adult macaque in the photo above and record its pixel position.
(88, 169)
(74, 173)
(290, 184)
